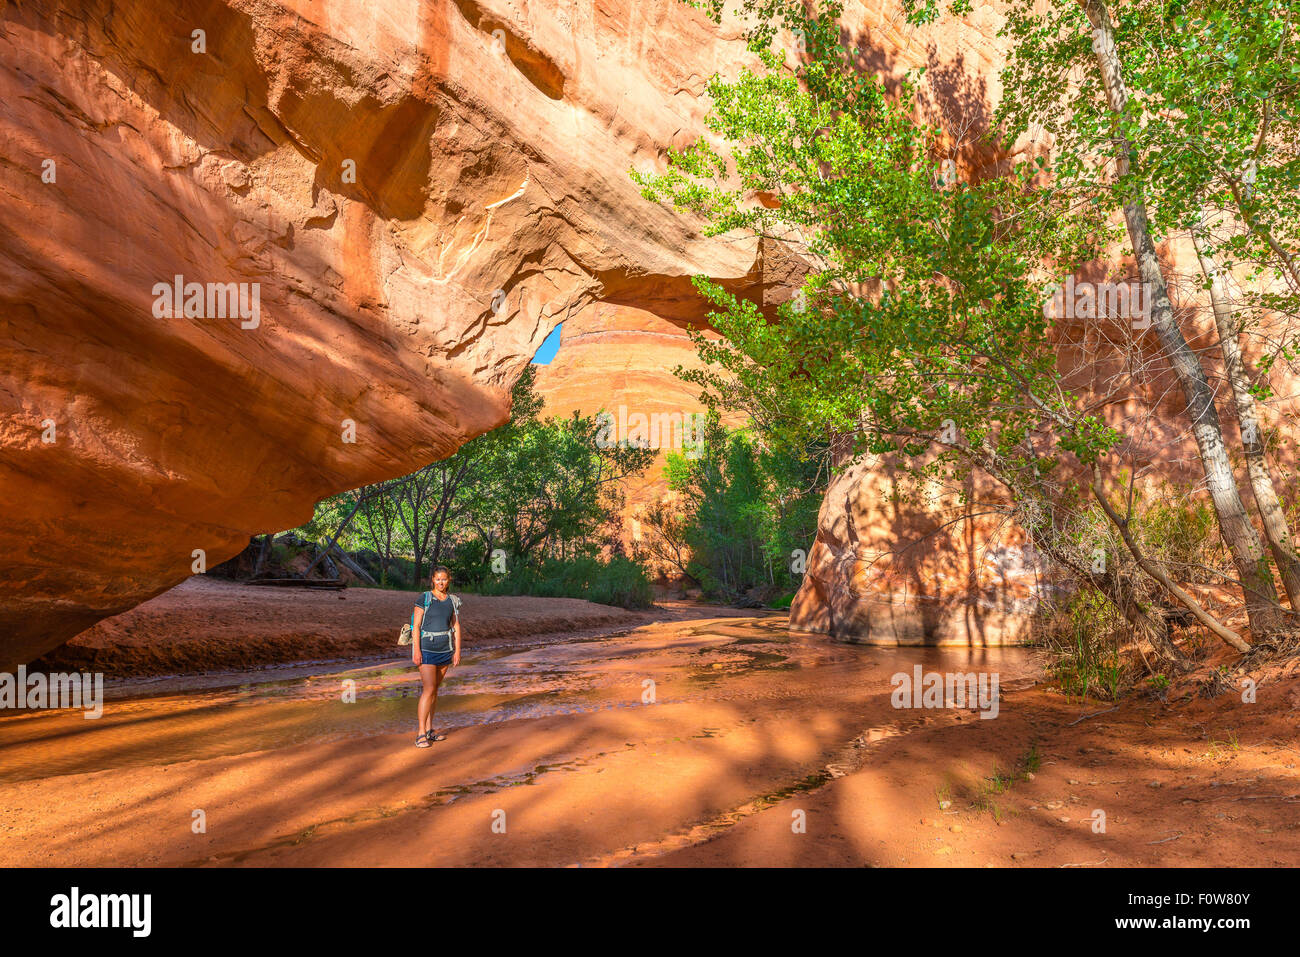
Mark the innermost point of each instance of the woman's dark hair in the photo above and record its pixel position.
(441, 568)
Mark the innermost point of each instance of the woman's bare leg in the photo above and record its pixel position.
(440, 672)
(429, 678)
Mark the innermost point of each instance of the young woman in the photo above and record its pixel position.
(436, 648)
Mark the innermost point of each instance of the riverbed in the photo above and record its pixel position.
(712, 741)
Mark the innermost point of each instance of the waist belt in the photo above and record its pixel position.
(435, 632)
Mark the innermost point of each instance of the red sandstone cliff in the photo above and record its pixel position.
(386, 173)
(420, 190)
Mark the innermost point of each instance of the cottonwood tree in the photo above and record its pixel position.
(379, 528)
(921, 323)
(737, 511)
(548, 485)
(429, 499)
(1182, 115)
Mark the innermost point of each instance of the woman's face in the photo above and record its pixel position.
(441, 581)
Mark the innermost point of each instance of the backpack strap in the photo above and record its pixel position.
(424, 604)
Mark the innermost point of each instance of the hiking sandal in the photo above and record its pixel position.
(434, 736)
(422, 740)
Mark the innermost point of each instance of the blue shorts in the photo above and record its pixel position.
(433, 650)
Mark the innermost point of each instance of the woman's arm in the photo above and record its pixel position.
(455, 627)
(415, 633)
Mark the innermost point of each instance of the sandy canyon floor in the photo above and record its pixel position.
(692, 741)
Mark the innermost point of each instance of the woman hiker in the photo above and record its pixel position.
(436, 649)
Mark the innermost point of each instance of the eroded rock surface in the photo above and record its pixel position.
(420, 191)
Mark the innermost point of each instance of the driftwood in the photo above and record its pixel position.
(351, 565)
(1092, 714)
(356, 507)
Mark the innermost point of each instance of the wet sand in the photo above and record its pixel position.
(207, 624)
(558, 754)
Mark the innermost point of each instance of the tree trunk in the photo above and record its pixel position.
(1156, 572)
(1253, 567)
(1261, 481)
(335, 537)
(260, 561)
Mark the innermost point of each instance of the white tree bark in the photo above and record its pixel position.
(1276, 530)
(1249, 558)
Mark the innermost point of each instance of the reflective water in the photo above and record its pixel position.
(164, 721)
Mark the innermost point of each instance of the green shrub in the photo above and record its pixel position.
(1083, 638)
(616, 581)
(1182, 534)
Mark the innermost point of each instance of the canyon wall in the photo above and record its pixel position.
(877, 571)
(415, 191)
(409, 194)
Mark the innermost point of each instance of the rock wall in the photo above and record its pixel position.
(416, 191)
(620, 360)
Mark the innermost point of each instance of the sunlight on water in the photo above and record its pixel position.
(252, 712)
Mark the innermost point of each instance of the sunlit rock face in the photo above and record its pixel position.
(895, 564)
(409, 194)
(412, 195)
(618, 362)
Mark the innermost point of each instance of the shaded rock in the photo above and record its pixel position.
(416, 206)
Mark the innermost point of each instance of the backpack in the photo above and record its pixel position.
(407, 635)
